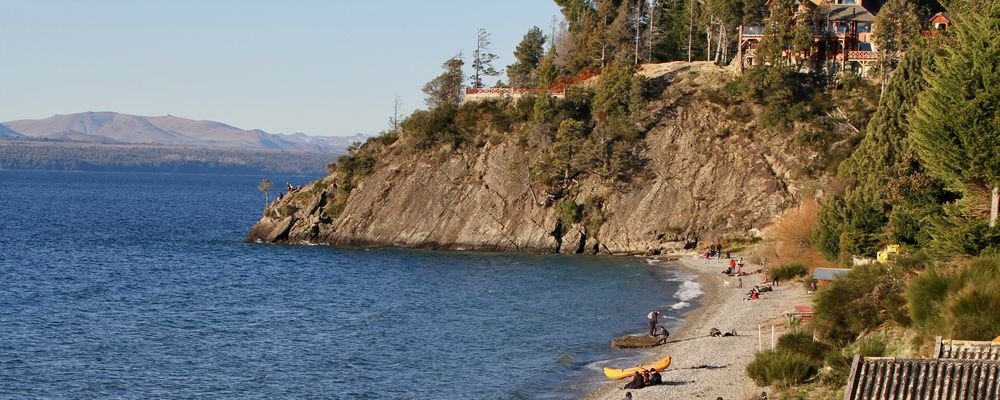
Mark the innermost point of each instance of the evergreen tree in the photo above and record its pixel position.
(754, 12)
(670, 31)
(528, 56)
(898, 26)
(264, 186)
(482, 59)
(881, 151)
(956, 127)
(776, 44)
(888, 198)
(446, 89)
(548, 71)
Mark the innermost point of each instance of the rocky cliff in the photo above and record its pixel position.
(709, 176)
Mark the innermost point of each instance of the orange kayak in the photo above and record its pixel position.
(614, 373)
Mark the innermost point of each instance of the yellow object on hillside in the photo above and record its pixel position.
(889, 252)
(613, 373)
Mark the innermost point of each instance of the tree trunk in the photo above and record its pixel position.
(690, 30)
(994, 206)
(708, 42)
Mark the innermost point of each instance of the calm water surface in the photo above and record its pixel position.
(119, 285)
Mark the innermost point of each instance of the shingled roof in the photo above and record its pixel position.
(878, 378)
(966, 349)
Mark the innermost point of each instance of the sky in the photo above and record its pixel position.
(331, 68)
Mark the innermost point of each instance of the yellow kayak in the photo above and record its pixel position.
(614, 373)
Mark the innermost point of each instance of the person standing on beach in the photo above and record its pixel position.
(652, 316)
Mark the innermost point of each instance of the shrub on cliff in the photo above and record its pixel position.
(958, 302)
(858, 302)
(802, 342)
(781, 368)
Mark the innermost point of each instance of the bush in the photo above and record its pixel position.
(959, 304)
(858, 302)
(838, 368)
(780, 368)
(789, 271)
(802, 343)
(871, 347)
(427, 128)
(569, 212)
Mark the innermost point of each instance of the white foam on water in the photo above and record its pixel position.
(688, 291)
(679, 306)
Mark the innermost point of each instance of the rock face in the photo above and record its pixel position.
(708, 178)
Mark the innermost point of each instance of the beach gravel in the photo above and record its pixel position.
(706, 367)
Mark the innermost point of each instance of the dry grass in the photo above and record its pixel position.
(789, 240)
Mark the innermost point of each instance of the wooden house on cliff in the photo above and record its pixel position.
(842, 37)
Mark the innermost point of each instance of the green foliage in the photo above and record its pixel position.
(955, 121)
(776, 45)
(838, 368)
(789, 271)
(482, 59)
(566, 158)
(858, 302)
(429, 127)
(446, 89)
(544, 110)
(960, 302)
(781, 368)
(826, 237)
(619, 93)
(802, 342)
(898, 26)
(873, 346)
(287, 210)
(569, 212)
(593, 215)
(528, 55)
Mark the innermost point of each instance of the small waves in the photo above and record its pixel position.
(689, 290)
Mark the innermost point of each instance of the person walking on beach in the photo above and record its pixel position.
(652, 316)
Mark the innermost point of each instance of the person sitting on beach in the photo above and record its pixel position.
(654, 377)
(628, 396)
(637, 382)
(645, 377)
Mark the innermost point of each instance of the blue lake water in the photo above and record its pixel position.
(136, 285)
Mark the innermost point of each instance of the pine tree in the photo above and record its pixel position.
(885, 144)
(887, 198)
(482, 59)
(898, 26)
(446, 89)
(956, 126)
(528, 56)
(778, 35)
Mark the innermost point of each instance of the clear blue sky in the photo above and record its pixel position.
(319, 67)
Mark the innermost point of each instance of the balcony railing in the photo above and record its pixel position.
(862, 55)
(495, 91)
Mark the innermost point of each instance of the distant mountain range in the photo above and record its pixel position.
(115, 128)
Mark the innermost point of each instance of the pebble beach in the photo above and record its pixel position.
(706, 367)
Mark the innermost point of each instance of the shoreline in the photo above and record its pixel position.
(723, 308)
